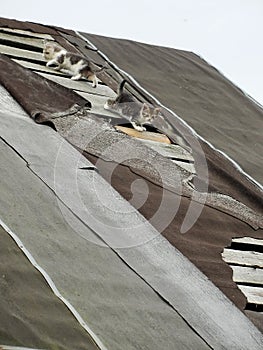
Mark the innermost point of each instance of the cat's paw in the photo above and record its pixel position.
(139, 128)
(76, 77)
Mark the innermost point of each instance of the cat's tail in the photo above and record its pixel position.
(121, 87)
(105, 66)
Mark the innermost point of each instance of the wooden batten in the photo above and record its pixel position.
(254, 295)
(26, 33)
(147, 135)
(248, 240)
(24, 42)
(21, 53)
(247, 275)
(243, 258)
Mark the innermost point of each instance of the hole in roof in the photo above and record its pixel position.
(245, 257)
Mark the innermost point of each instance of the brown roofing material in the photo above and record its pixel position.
(205, 241)
(196, 91)
(224, 177)
(38, 96)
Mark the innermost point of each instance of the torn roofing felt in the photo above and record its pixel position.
(218, 110)
(60, 106)
(203, 243)
(224, 176)
(38, 96)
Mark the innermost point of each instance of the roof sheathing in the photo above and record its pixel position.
(120, 182)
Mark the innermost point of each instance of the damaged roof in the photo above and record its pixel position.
(117, 238)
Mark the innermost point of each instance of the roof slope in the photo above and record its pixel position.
(120, 278)
(219, 111)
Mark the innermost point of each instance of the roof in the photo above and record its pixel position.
(123, 227)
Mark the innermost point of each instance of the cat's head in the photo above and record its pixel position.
(110, 104)
(50, 49)
(148, 113)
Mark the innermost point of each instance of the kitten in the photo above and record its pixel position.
(127, 106)
(76, 65)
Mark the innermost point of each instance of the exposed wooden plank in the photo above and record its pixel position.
(21, 53)
(242, 274)
(97, 103)
(254, 295)
(248, 240)
(26, 33)
(38, 67)
(147, 135)
(80, 85)
(169, 150)
(246, 258)
(26, 41)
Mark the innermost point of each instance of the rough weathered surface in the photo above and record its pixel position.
(204, 242)
(112, 299)
(77, 208)
(30, 312)
(198, 93)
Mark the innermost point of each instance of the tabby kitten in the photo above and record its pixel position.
(128, 107)
(76, 65)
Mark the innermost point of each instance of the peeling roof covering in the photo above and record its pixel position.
(70, 208)
(219, 111)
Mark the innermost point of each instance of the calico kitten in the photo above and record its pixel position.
(128, 107)
(76, 65)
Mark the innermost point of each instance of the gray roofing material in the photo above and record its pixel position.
(27, 304)
(95, 301)
(89, 278)
(47, 107)
(123, 176)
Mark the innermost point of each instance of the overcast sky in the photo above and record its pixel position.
(226, 33)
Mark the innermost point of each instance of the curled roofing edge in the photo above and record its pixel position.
(219, 201)
(72, 104)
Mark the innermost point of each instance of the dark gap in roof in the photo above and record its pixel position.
(254, 307)
(247, 247)
(19, 34)
(32, 60)
(50, 124)
(149, 128)
(250, 284)
(183, 160)
(243, 265)
(93, 168)
(20, 45)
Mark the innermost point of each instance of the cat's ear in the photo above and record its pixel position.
(145, 108)
(156, 111)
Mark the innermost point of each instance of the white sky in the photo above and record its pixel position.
(226, 33)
